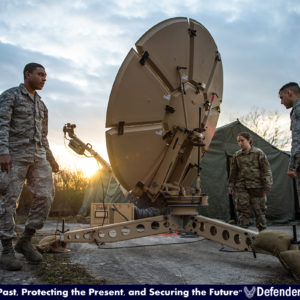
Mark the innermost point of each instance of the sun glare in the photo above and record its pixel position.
(89, 166)
(69, 160)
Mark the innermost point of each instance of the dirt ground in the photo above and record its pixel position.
(161, 259)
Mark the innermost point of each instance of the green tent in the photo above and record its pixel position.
(103, 187)
(282, 203)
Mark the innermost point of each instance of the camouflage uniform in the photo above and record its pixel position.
(23, 136)
(294, 164)
(250, 176)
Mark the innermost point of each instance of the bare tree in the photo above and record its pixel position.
(268, 125)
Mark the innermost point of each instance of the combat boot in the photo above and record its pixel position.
(25, 247)
(261, 227)
(8, 258)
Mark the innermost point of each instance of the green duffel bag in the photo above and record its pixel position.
(291, 261)
(272, 242)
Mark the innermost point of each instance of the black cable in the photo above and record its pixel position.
(144, 246)
(120, 213)
(103, 203)
(231, 251)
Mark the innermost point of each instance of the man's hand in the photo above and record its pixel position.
(291, 173)
(5, 162)
(54, 165)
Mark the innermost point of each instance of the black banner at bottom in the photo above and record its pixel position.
(152, 291)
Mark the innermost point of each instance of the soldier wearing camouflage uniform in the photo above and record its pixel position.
(290, 98)
(24, 155)
(250, 179)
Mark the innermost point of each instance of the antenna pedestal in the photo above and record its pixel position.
(186, 205)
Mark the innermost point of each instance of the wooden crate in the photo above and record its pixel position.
(111, 213)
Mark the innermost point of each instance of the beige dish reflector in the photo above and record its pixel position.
(174, 78)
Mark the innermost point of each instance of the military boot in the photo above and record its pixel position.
(8, 258)
(261, 223)
(261, 227)
(25, 247)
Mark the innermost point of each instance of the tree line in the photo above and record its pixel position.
(268, 125)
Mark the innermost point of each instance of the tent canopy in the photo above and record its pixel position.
(103, 188)
(282, 202)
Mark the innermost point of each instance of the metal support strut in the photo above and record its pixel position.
(226, 234)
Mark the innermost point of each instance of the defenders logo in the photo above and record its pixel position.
(249, 294)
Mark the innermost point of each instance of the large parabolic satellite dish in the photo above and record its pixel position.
(164, 107)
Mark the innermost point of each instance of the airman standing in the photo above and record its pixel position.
(24, 155)
(290, 98)
(250, 179)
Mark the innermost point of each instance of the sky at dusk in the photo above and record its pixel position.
(82, 44)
